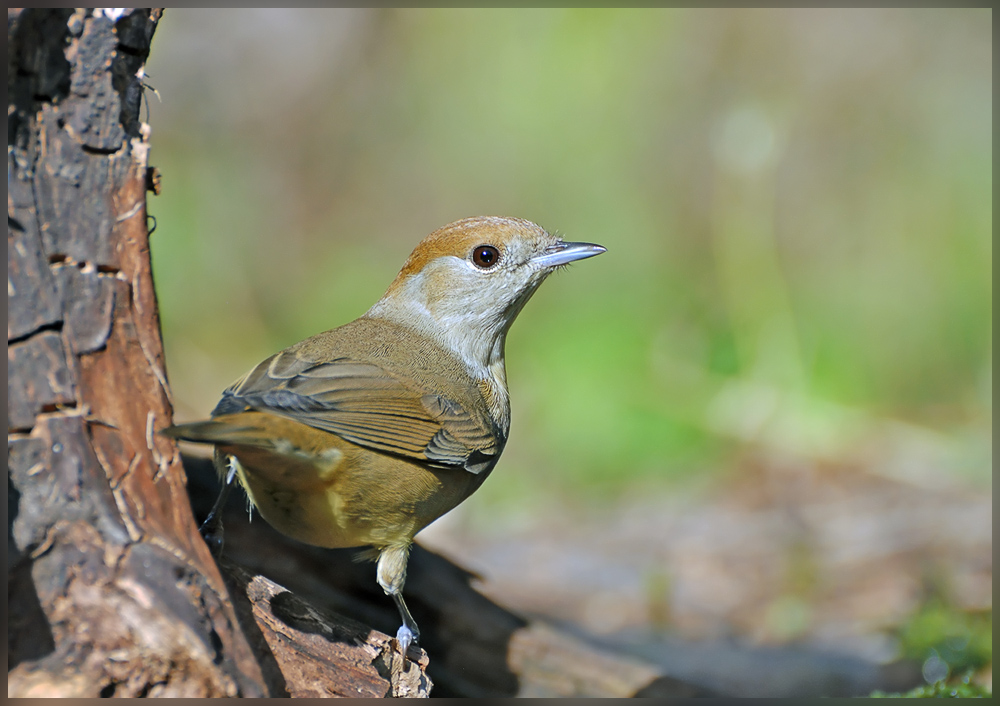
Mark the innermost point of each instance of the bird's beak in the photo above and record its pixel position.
(563, 253)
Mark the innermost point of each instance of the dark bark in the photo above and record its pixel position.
(111, 590)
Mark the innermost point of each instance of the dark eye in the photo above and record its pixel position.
(485, 256)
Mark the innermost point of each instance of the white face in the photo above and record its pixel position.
(469, 303)
(491, 283)
(463, 287)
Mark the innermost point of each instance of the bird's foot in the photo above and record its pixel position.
(211, 528)
(406, 638)
(212, 532)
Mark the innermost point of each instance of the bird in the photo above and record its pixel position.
(363, 435)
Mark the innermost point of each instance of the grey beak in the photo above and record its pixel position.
(563, 253)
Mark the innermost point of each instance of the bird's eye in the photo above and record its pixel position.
(485, 256)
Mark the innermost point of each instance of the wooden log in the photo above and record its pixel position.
(319, 653)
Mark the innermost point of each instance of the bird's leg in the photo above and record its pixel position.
(408, 632)
(211, 529)
(391, 572)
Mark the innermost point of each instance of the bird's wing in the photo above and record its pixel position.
(366, 405)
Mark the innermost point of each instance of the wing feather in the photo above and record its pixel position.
(368, 406)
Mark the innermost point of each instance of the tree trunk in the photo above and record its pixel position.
(111, 590)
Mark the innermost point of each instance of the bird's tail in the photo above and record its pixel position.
(221, 430)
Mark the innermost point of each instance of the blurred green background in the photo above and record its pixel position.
(797, 206)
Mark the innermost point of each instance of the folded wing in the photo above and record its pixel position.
(368, 406)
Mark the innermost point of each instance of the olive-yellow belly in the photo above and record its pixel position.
(320, 489)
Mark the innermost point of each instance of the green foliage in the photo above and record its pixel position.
(962, 640)
(952, 644)
(942, 689)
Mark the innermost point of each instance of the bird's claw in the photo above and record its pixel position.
(406, 638)
(212, 532)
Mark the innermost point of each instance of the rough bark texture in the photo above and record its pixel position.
(307, 645)
(104, 558)
(111, 590)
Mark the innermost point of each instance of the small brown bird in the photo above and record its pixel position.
(365, 434)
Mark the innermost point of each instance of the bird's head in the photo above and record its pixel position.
(464, 284)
